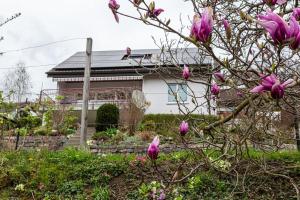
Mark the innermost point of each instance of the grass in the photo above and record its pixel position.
(291, 156)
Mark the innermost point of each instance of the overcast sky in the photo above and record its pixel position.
(44, 21)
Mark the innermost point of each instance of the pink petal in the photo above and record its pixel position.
(155, 141)
(286, 83)
(257, 89)
(280, 2)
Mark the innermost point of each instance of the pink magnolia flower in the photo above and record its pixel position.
(155, 12)
(201, 29)
(215, 89)
(274, 2)
(296, 13)
(227, 28)
(186, 72)
(183, 128)
(272, 83)
(153, 148)
(219, 76)
(114, 6)
(294, 33)
(276, 26)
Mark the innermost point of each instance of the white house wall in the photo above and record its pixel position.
(156, 92)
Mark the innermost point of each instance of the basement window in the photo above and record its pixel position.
(137, 56)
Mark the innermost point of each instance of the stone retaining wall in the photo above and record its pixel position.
(100, 148)
(139, 149)
(33, 142)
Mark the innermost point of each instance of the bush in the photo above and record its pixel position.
(176, 118)
(148, 125)
(163, 122)
(116, 139)
(167, 124)
(105, 135)
(107, 117)
(41, 131)
(100, 136)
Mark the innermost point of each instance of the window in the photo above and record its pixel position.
(177, 91)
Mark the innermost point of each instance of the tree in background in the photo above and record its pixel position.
(17, 83)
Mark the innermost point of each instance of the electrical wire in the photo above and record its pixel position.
(39, 46)
(28, 66)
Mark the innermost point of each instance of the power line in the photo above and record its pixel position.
(39, 46)
(28, 66)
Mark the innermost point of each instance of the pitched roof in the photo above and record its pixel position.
(113, 60)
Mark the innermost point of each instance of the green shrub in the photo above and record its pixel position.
(176, 118)
(107, 117)
(167, 124)
(148, 125)
(116, 139)
(41, 131)
(111, 132)
(29, 122)
(104, 135)
(100, 136)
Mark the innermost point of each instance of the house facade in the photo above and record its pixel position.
(115, 75)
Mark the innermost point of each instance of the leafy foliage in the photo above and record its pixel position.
(167, 124)
(107, 117)
(60, 117)
(104, 135)
(72, 174)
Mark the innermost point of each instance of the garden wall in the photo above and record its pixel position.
(139, 149)
(33, 142)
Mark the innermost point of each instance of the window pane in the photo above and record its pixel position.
(172, 92)
(182, 92)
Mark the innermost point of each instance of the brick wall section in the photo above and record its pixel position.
(33, 142)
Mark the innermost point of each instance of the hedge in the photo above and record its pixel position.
(166, 124)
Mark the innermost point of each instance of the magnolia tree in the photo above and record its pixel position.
(254, 46)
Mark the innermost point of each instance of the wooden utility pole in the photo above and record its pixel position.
(86, 89)
(297, 130)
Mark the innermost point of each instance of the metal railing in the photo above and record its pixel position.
(98, 96)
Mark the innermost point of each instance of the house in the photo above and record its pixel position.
(115, 75)
(229, 99)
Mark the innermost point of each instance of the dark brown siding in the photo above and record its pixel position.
(100, 84)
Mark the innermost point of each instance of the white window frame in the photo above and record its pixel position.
(177, 93)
